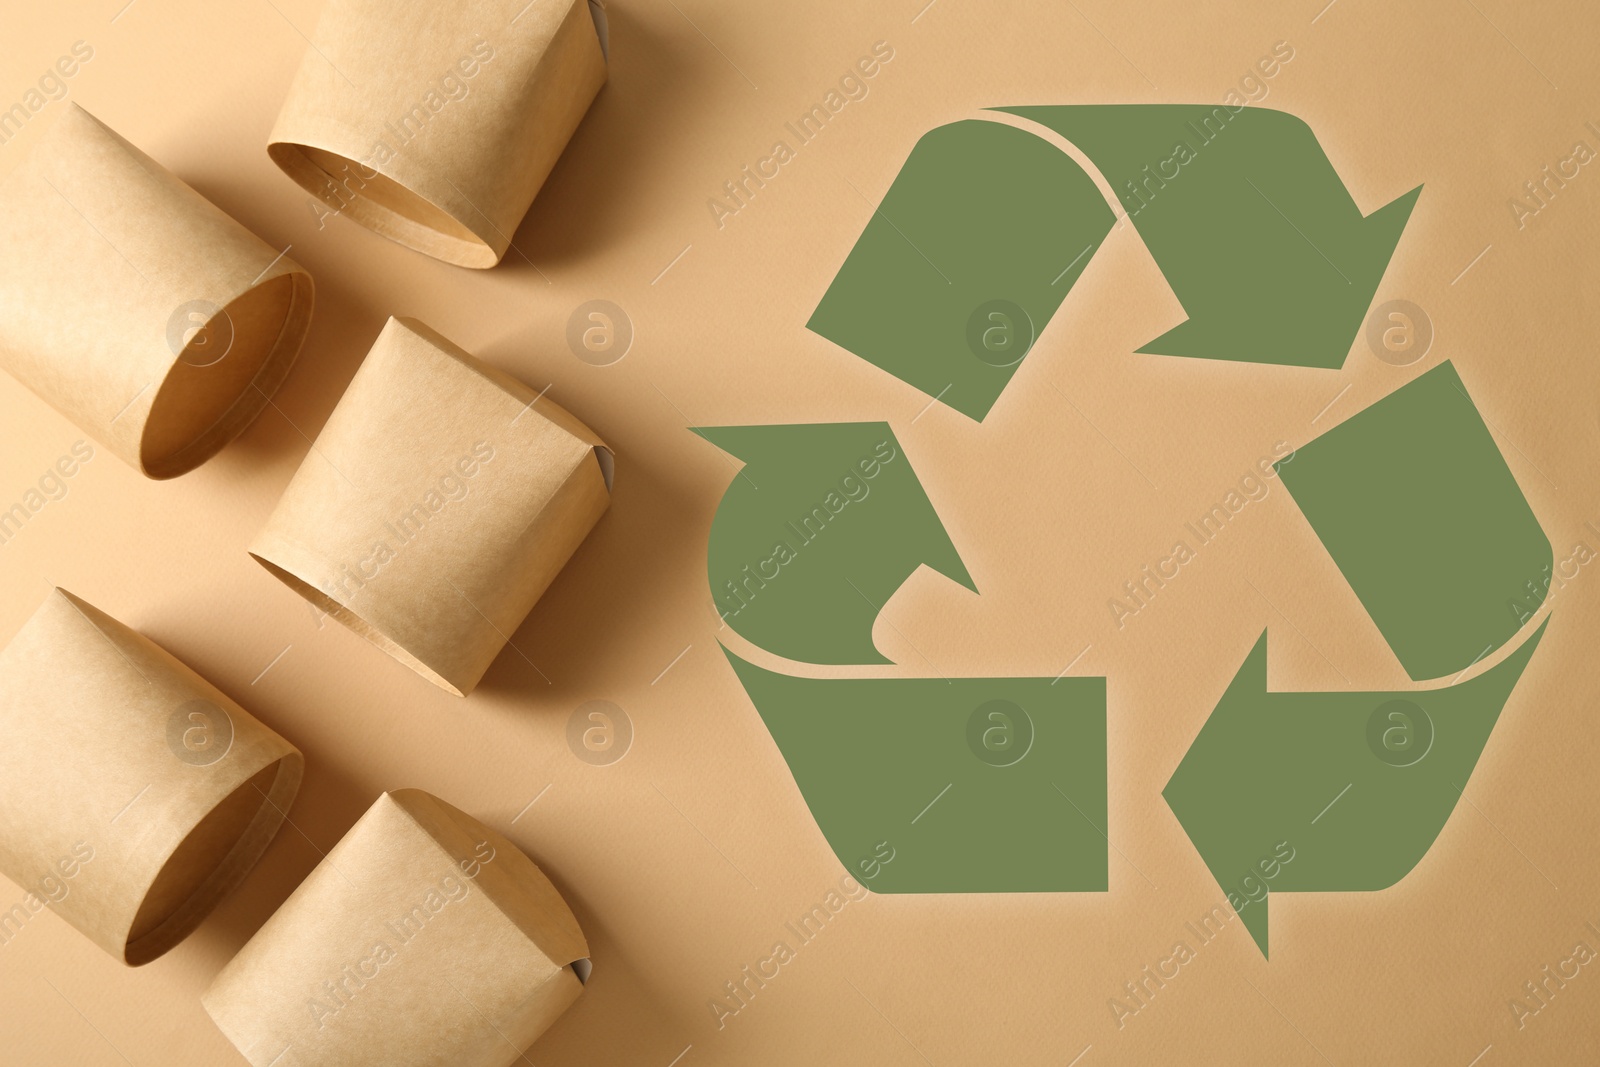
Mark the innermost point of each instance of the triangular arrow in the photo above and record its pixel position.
(1247, 219)
(824, 523)
(1352, 787)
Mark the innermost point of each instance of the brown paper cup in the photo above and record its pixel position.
(424, 937)
(135, 307)
(435, 124)
(133, 794)
(438, 503)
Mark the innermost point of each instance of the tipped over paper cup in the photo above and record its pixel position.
(134, 306)
(436, 124)
(423, 938)
(134, 795)
(438, 503)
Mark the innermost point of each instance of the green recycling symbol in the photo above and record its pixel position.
(968, 257)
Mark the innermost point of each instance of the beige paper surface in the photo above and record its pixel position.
(695, 850)
(423, 938)
(134, 306)
(134, 795)
(435, 125)
(438, 503)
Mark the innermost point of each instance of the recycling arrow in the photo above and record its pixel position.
(821, 527)
(1414, 502)
(972, 785)
(1249, 222)
(1274, 263)
(1353, 787)
(987, 227)
(970, 253)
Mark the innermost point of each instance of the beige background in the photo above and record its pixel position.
(685, 860)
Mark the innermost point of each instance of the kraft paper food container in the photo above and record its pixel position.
(424, 937)
(134, 795)
(436, 505)
(436, 124)
(134, 306)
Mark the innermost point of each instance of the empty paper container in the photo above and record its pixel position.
(134, 306)
(436, 124)
(436, 505)
(133, 794)
(423, 938)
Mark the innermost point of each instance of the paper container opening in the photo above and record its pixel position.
(206, 401)
(436, 125)
(134, 306)
(423, 937)
(134, 795)
(212, 860)
(440, 500)
(353, 620)
(382, 204)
